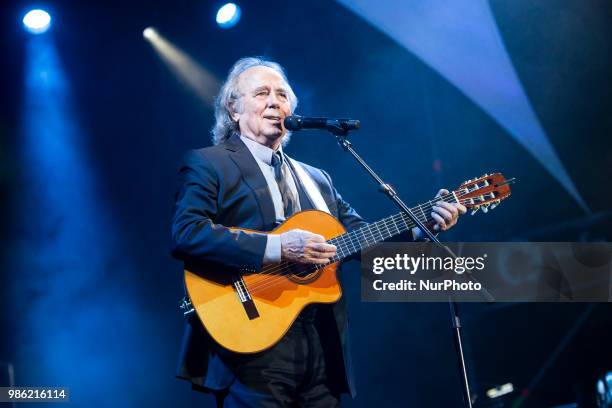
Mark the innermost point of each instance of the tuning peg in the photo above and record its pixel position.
(485, 208)
(475, 210)
(494, 204)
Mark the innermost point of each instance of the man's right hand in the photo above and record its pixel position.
(305, 247)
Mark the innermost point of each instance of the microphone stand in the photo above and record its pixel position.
(342, 136)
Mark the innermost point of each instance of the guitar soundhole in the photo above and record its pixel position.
(303, 274)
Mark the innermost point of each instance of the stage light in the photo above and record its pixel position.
(149, 33)
(37, 21)
(228, 15)
(501, 390)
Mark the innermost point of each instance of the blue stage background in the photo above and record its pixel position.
(94, 123)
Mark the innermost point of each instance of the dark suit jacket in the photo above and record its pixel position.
(222, 186)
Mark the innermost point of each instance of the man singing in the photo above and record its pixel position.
(246, 180)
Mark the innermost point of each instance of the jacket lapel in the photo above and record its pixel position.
(324, 188)
(253, 177)
(305, 201)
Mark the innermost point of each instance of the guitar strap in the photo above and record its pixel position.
(309, 185)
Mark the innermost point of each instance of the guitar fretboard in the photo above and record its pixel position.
(374, 233)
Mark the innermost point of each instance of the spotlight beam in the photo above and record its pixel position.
(204, 84)
(460, 40)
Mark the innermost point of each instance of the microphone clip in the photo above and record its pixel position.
(335, 126)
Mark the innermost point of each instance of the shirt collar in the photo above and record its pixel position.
(261, 152)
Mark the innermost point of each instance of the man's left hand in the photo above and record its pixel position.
(444, 215)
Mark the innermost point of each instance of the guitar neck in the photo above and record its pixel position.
(369, 235)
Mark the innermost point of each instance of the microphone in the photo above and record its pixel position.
(296, 122)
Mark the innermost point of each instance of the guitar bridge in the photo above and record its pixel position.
(245, 297)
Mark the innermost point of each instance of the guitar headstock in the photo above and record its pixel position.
(485, 192)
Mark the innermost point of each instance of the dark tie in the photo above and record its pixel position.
(281, 173)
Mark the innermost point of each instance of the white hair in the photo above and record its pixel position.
(226, 101)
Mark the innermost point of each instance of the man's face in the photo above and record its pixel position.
(263, 105)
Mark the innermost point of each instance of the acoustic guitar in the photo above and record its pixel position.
(250, 311)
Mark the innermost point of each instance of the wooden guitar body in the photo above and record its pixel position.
(277, 298)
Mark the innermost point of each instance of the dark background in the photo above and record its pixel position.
(90, 292)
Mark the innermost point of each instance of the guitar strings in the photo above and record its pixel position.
(344, 239)
(268, 282)
(282, 270)
(278, 272)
